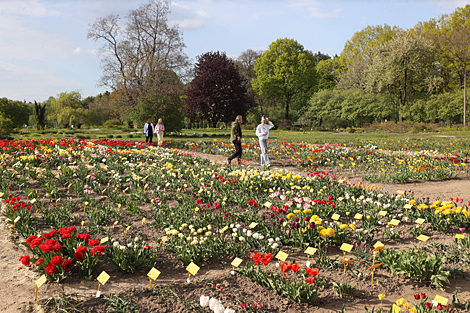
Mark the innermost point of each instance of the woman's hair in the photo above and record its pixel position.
(160, 120)
(149, 121)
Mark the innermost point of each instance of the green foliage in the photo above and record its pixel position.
(67, 109)
(163, 102)
(6, 126)
(413, 264)
(285, 71)
(16, 111)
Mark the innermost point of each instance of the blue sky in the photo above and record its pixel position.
(44, 49)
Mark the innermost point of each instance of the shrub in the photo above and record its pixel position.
(112, 123)
(109, 136)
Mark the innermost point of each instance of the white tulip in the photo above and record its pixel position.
(204, 301)
(212, 303)
(219, 308)
(228, 310)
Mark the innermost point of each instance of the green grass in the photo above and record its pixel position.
(211, 133)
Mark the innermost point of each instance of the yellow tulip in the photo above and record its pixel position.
(381, 297)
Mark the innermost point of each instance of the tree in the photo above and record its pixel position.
(139, 56)
(16, 111)
(246, 66)
(401, 67)
(67, 109)
(217, 92)
(40, 115)
(6, 126)
(161, 102)
(362, 42)
(285, 71)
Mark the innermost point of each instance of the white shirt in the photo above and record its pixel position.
(261, 129)
(146, 129)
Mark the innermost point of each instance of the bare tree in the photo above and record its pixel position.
(142, 54)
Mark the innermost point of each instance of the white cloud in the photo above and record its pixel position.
(79, 50)
(314, 8)
(187, 18)
(33, 8)
(21, 42)
(26, 83)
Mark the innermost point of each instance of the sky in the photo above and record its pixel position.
(44, 48)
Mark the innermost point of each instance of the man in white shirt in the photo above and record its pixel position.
(262, 131)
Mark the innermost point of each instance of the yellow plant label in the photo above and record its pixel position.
(284, 224)
(192, 268)
(104, 240)
(460, 236)
(103, 278)
(341, 181)
(281, 256)
(422, 238)
(86, 203)
(224, 229)
(340, 199)
(41, 281)
(395, 222)
(407, 206)
(154, 273)
(252, 225)
(268, 204)
(17, 219)
(236, 262)
(310, 251)
(347, 262)
(83, 223)
(143, 220)
(115, 223)
(420, 221)
(378, 244)
(400, 192)
(1, 194)
(164, 239)
(441, 300)
(358, 216)
(346, 247)
(373, 267)
(396, 308)
(383, 213)
(335, 217)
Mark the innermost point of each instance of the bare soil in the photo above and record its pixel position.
(17, 282)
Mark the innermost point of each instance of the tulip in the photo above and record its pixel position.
(204, 301)
(212, 303)
(227, 310)
(219, 308)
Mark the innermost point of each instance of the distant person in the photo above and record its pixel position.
(148, 131)
(159, 129)
(262, 131)
(236, 138)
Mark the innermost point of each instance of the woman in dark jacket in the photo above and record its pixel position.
(236, 138)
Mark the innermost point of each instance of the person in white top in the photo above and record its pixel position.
(262, 131)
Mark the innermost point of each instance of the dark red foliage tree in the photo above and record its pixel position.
(217, 92)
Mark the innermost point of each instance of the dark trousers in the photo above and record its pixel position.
(238, 151)
(148, 139)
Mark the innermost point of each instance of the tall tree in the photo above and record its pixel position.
(401, 67)
(67, 109)
(40, 115)
(362, 42)
(285, 71)
(246, 65)
(217, 92)
(139, 56)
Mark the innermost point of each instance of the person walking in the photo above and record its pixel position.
(262, 131)
(159, 129)
(148, 130)
(236, 138)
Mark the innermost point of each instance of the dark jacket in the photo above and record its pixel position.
(236, 132)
